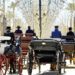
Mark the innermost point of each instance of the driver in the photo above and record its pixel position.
(10, 34)
(10, 51)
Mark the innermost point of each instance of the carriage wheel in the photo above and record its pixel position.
(20, 66)
(59, 68)
(3, 65)
(30, 63)
(60, 62)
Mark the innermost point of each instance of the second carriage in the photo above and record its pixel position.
(45, 51)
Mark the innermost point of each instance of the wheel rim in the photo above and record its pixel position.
(3, 69)
(3, 65)
(20, 66)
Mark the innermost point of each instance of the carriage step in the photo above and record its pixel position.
(69, 67)
(25, 66)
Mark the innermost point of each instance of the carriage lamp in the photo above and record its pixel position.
(43, 43)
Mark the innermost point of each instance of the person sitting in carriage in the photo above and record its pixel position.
(70, 35)
(56, 33)
(10, 50)
(30, 32)
(9, 33)
(70, 38)
(18, 33)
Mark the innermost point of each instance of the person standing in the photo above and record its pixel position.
(11, 51)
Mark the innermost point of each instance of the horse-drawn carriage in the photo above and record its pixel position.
(69, 47)
(6, 55)
(45, 51)
(3, 59)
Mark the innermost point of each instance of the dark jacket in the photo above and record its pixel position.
(10, 34)
(31, 31)
(18, 31)
(70, 35)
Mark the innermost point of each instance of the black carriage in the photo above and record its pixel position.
(45, 51)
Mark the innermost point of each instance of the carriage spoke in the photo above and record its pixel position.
(3, 69)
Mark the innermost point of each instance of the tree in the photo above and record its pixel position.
(13, 7)
(71, 8)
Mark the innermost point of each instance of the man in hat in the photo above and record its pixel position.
(70, 35)
(9, 33)
(29, 30)
(56, 33)
(70, 38)
(10, 48)
(18, 31)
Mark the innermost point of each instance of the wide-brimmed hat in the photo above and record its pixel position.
(8, 27)
(56, 26)
(18, 27)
